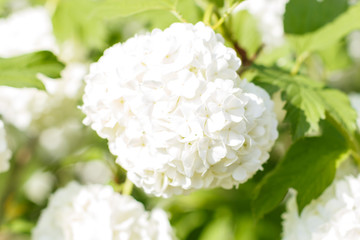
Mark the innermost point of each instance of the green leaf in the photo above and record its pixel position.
(309, 167)
(73, 20)
(336, 57)
(189, 10)
(2, 6)
(21, 71)
(20, 226)
(220, 227)
(245, 31)
(307, 101)
(123, 8)
(304, 16)
(330, 34)
(219, 3)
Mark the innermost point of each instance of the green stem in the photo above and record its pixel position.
(208, 14)
(226, 14)
(349, 138)
(20, 160)
(127, 187)
(299, 62)
(178, 15)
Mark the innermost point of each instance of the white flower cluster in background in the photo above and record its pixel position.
(93, 172)
(96, 212)
(39, 186)
(5, 153)
(335, 215)
(26, 31)
(269, 14)
(23, 107)
(176, 113)
(23, 32)
(354, 45)
(355, 103)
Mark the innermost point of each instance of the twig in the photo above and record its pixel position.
(178, 15)
(226, 14)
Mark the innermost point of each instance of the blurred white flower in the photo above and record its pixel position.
(269, 14)
(23, 32)
(22, 106)
(96, 212)
(38, 187)
(95, 171)
(5, 153)
(355, 103)
(335, 215)
(345, 168)
(26, 31)
(354, 45)
(176, 113)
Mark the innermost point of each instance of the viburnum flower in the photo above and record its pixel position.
(5, 153)
(176, 113)
(96, 212)
(334, 215)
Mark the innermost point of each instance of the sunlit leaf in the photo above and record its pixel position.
(304, 16)
(21, 71)
(309, 167)
(307, 101)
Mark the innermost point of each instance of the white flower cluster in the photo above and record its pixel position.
(269, 14)
(23, 32)
(5, 153)
(23, 106)
(96, 212)
(176, 113)
(335, 215)
(26, 31)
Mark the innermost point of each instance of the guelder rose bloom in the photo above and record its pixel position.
(96, 212)
(335, 215)
(176, 113)
(5, 153)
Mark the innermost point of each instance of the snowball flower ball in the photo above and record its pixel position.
(175, 112)
(5, 153)
(96, 212)
(335, 215)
